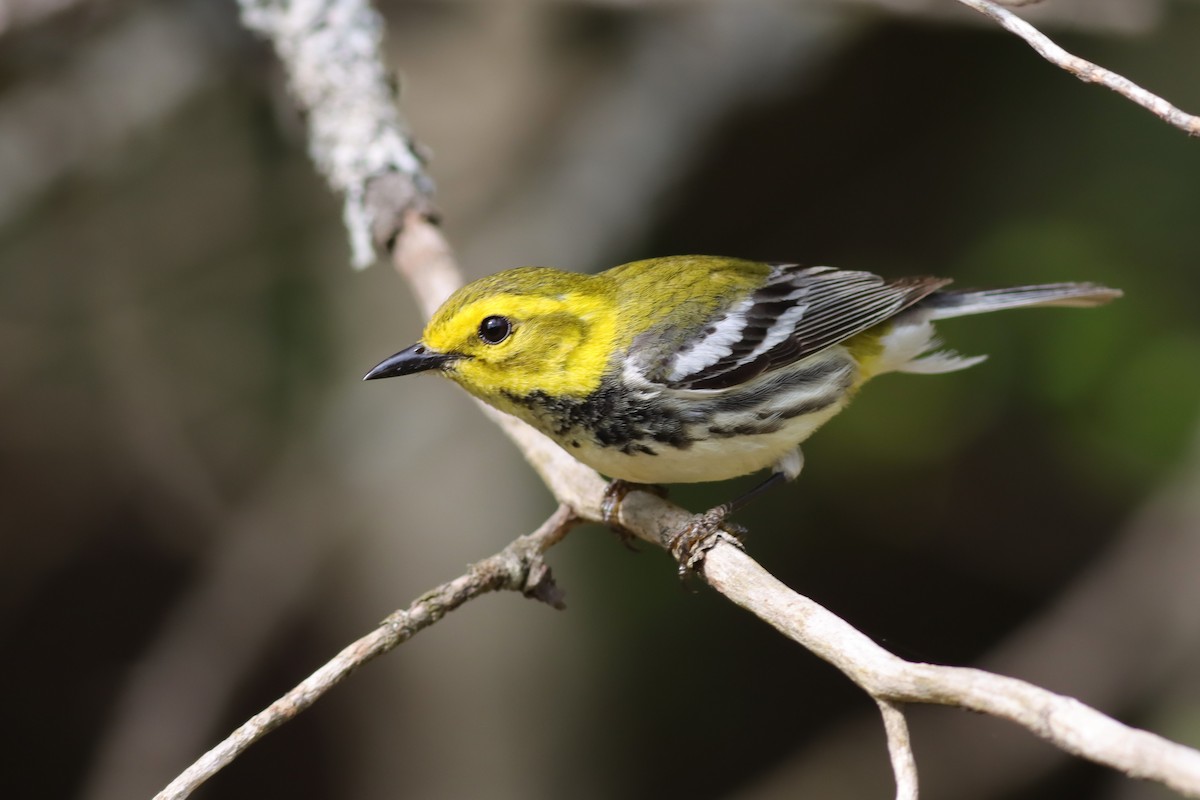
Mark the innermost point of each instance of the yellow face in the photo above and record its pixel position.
(515, 343)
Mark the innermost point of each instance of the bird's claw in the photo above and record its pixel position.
(689, 544)
(705, 531)
(610, 507)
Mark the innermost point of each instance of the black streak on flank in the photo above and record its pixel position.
(611, 418)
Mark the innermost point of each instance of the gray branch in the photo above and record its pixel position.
(1086, 71)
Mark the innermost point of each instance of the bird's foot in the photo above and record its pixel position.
(610, 507)
(705, 531)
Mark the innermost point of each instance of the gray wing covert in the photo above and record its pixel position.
(796, 313)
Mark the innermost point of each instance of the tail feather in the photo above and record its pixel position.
(959, 303)
(910, 345)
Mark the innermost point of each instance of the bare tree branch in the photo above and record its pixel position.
(264, 565)
(1086, 71)
(904, 763)
(1124, 624)
(1063, 721)
(518, 567)
(387, 195)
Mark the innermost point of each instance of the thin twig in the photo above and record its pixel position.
(904, 763)
(1085, 70)
(518, 567)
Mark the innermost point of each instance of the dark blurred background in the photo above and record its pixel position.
(200, 502)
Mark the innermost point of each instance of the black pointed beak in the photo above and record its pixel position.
(417, 358)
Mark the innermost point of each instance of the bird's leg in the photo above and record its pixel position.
(610, 507)
(699, 536)
(740, 502)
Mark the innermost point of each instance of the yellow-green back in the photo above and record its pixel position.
(685, 290)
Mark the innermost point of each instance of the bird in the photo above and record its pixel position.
(684, 369)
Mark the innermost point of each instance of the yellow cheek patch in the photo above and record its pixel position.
(560, 345)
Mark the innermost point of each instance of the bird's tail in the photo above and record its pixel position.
(959, 303)
(910, 345)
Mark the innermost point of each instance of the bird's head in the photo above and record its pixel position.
(517, 332)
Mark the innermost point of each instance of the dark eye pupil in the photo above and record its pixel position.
(494, 330)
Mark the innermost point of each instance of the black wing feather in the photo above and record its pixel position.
(837, 305)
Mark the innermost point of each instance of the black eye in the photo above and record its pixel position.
(494, 330)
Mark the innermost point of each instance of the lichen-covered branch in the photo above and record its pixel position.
(331, 52)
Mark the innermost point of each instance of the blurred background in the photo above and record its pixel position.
(200, 503)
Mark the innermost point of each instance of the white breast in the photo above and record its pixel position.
(707, 459)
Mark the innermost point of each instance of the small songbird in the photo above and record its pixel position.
(695, 368)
